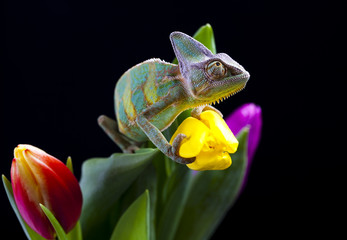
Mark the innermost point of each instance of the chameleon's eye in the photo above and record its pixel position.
(215, 70)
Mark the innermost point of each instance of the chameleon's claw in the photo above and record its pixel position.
(175, 148)
(177, 142)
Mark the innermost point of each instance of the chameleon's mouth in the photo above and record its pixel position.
(239, 81)
(221, 99)
(218, 91)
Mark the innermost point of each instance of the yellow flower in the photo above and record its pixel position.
(209, 140)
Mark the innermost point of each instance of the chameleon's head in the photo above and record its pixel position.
(209, 77)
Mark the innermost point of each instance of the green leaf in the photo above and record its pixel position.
(29, 232)
(134, 223)
(56, 225)
(211, 195)
(205, 36)
(75, 233)
(69, 164)
(147, 180)
(175, 195)
(103, 182)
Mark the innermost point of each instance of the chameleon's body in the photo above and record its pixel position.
(141, 87)
(150, 95)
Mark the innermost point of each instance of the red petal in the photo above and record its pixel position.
(29, 209)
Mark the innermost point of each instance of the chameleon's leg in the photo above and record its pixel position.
(198, 110)
(110, 127)
(161, 143)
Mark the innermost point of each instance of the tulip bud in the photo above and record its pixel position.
(38, 177)
(249, 115)
(209, 140)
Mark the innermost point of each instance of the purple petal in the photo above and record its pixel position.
(249, 115)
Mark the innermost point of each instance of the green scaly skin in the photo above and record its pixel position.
(150, 95)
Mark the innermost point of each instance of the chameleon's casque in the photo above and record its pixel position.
(150, 95)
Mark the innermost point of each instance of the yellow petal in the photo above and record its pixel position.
(196, 132)
(19, 152)
(25, 174)
(211, 160)
(220, 130)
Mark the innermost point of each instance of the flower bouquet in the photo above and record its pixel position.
(144, 194)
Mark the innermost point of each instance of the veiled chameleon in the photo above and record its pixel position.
(150, 95)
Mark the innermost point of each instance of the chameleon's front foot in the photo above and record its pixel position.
(173, 152)
(158, 139)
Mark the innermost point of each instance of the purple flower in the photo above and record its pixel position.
(249, 115)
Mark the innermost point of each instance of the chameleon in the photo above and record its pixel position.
(149, 96)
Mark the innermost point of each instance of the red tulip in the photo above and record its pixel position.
(38, 177)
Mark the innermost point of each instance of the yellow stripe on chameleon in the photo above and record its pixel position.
(121, 127)
(150, 88)
(129, 108)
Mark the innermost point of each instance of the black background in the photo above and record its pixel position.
(61, 60)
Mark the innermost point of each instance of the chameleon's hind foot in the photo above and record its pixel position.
(198, 110)
(110, 127)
